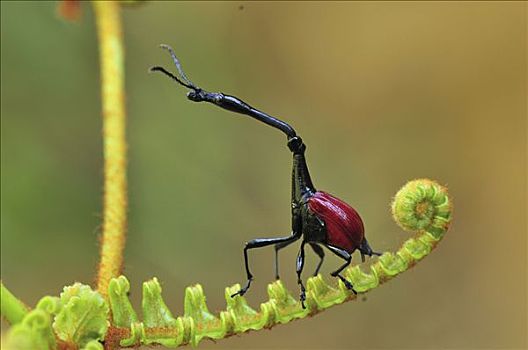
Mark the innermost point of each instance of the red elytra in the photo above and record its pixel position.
(344, 226)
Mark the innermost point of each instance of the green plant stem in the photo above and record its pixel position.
(13, 310)
(111, 54)
(421, 206)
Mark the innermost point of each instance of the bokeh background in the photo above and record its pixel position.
(381, 92)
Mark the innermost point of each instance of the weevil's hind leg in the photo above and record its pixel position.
(343, 254)
(320, 252)
(365, 249)
(259, 243)
(278, 247)
(300, 265)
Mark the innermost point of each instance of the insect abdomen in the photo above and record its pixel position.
(344, 226)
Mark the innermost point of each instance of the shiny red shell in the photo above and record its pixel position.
(344, 226)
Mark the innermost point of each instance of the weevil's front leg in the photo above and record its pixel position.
(259, 243)
(300, 265)
(278, 247)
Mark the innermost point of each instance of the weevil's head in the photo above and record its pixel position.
(195, 95)
(199, 95)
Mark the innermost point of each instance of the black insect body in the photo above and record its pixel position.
(320, 219)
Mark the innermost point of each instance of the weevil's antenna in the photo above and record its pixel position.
(170, 75)
(177, 64)
(183, 80)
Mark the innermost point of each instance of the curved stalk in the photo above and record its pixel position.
(421, 206)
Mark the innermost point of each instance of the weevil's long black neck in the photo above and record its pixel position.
(302, 185)
(301, 182)
(235, 104)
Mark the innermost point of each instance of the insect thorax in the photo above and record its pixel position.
(313, 227)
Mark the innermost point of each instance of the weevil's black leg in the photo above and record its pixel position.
(319, 251)
(365, 249)
(259, 243)
(277, 248)
(346, 256)
(300, 265)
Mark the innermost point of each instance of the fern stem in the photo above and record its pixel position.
(422, 206)
(111, 56)
(12, 309)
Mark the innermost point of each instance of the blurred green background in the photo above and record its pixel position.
(381, 93)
